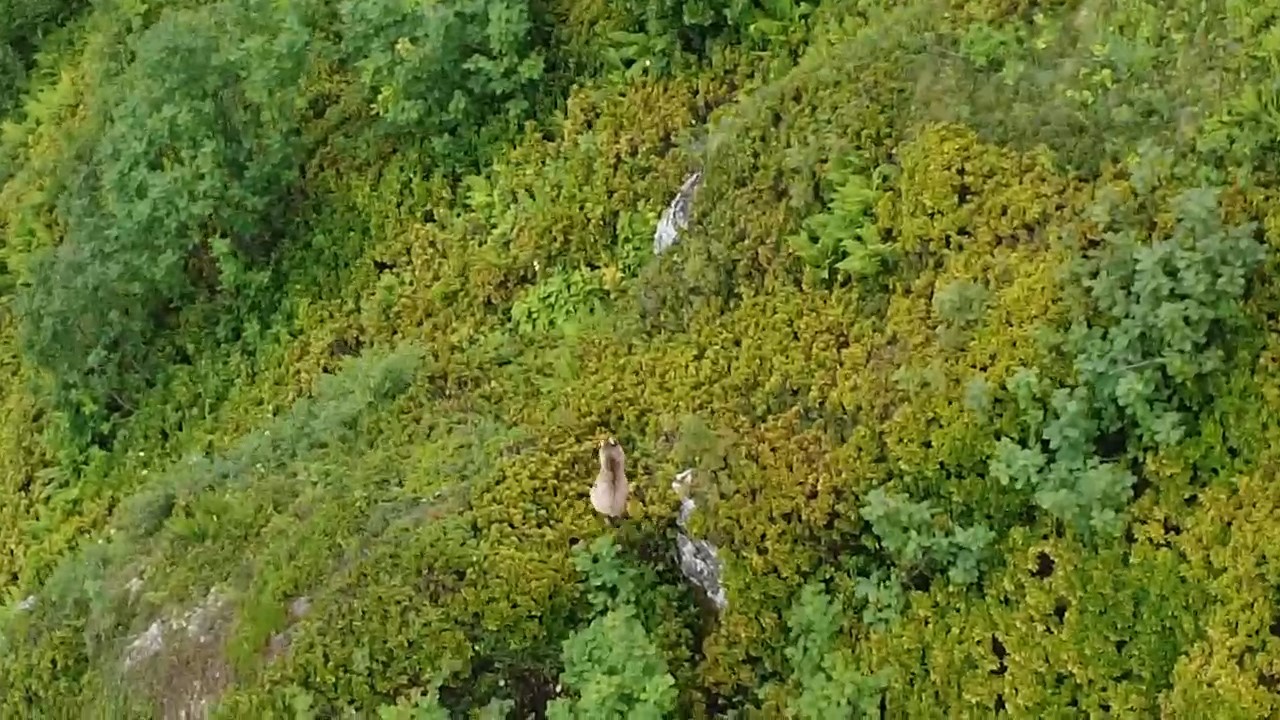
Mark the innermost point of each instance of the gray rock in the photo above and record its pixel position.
(676, 217)
(299, 608)
(699, 559)
(278, 645)
(134, 586)
(145, 645)
(198, 623)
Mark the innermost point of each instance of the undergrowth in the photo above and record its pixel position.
(312, 316)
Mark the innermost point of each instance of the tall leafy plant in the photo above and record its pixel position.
(843, 243)
(659, 38)
(1163, 309)
(27, 23)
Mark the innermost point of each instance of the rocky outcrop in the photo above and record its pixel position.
(676, 217)
(699, 559)
(178, 660)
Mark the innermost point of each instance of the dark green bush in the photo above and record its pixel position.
(26, 28)
(176, 199)
(637, 38)
(444, 70)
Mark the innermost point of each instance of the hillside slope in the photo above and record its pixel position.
(314, 315)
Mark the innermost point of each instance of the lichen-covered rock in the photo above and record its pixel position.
(145, 645)
(299, 608)
(177, 665)
(134, 587)
(198, 623)
(676, 217)
(699, 560)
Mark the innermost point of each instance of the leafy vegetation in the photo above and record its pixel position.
(312, 316)
(829, 686)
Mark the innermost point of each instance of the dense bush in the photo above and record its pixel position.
(635, 38)
(200, 147)
(828, 683)
(611, 665)
(443, 69)
(192, 182)
(27, 26)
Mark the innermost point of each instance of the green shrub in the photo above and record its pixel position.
(201, 145)
(1150, 335)
(446, 69)
(634, 38)
(958, 304)
(844, 242)
(27, 26)
(912, 537)
(1164, 310)
(615, 671)
(611, 666)
(415, 707)
(824, 675)
(556, 301)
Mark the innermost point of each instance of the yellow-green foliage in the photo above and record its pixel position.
(970, 345)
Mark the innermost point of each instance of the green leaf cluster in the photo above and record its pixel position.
(844, 242)
(1150, 336)
(825, 677)
(611, 667)
(443, 69)
(615, 671)
(913, 537)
